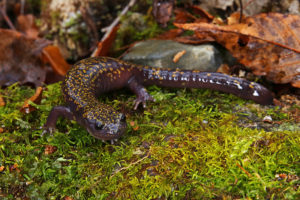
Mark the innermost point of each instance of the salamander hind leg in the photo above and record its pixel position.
(142, 96)
(57, 111)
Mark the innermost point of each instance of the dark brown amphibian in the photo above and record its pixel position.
(93, 76)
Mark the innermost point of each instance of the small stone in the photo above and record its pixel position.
(160, 53)
(267, 119)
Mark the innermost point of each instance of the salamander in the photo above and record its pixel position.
(92, 77)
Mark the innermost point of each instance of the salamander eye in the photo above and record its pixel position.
(99, 126)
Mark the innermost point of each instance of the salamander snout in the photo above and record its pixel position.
(107, 130)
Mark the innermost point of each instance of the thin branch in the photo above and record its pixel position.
(22, 10)
(241, 11)
(246, 172)
(3, 13)
(131, 164)
(110, 28)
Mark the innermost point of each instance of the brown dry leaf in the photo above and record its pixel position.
(1, 130)
(224, 68)
(26, 24)
(162, 11)
(20, 59)
(68, 198)
(192, 40)
(49, 149)
(178, 56)
(170, 34)
(202, 13)
(182, 16)
(36, 98)
(134, 126)
(269, 44)
(2, 168)
(53, 56)
(132, 123)
(104, 46)
(14, 167)
(2, 102)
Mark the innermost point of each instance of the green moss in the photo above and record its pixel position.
(136, 27)
(187, 144)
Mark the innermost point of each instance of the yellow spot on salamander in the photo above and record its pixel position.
(236, 81)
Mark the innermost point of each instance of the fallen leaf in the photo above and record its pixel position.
(182, 16)
(36, 98)
(170, 34)
(26, 24)
(2, 168)
(136, 128)
(68, 198)
(268, 44)
(49, 149)
(13, 167)
(131, 123)
(1, 130)
(224, 68)
(162, 11)
(198, 10)
(2, 102)
(104, 46)
(178, 56)
(52, 55)
(20, 59)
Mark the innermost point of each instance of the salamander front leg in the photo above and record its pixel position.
(56, 112)
(142, 96)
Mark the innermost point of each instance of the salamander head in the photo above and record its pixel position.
(106, 128)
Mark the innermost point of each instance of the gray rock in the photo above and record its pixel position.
(160, 53)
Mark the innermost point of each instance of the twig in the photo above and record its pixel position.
(246, 172)
(89, 22)
(22, 10)
(4, 4)
(131, 164)
(248, 3)
(110, 28)
(241, 11)
(3, 13)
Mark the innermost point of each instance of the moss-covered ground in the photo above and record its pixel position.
(189, 144)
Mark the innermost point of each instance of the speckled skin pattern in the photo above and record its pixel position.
(94, 76)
